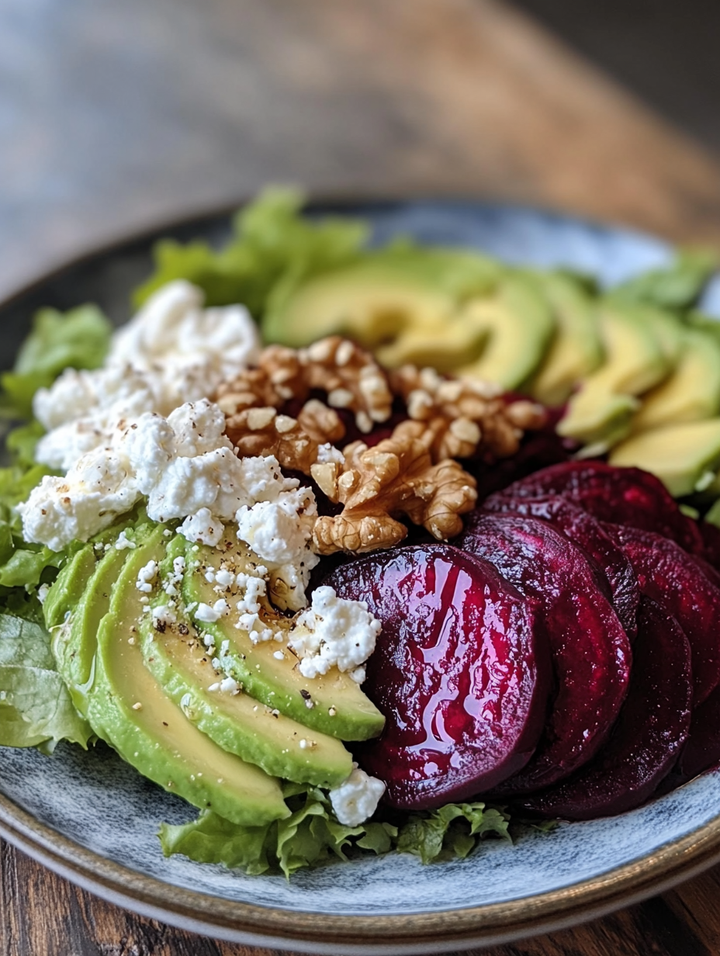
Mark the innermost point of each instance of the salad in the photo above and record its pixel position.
(363, 549)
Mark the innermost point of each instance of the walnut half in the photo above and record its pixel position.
(379, 485)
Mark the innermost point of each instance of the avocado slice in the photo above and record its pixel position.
(332, 704)
(129, 710)
(74, 642)
(636, 358)
(68, 587)
(576, 349)
(401, 302)
(517, 324)
(692, 392)
(177, 658)
(684, 457)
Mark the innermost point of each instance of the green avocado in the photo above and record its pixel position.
(576, 349)
(637, 357)
(517, 326)
(74, 641)
(692, 392)
(331, 704)
(401, 303)
(684, 457)
(68, 587)
(129, 710)
(176, 656)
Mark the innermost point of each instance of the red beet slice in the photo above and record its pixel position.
(458, 671)
(675, 580)
(590, 649)
(702, 750)
(648, 736)
(584, 531)
(710, 534)
(626, 496)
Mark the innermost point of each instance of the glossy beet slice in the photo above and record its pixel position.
(648, 736)
(625, 496)
(458, 672)
(675, 580)
(710, 534)
(590, 649)
(702, 749)
(583, 530)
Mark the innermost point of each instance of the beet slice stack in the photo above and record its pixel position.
(677, 583)
(649, 733)
(583, 530)
(626, 496)
(590, 649)
(459, 672)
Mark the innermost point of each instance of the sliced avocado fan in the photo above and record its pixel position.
(175, 654)
(637, 357)
(332, 703)
(517, 325)
(126, 707)
(692, 392)
(576, 349)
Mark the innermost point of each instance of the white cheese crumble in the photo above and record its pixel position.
(123, 542)
(173, 351)
(334, 632)
(207, 614)
(146, 576)
(356, 799)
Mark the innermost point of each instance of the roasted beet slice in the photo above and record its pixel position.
(583, 530)
(648, 736)
(458, 672)
(675, 580)
(625, 496)
(702, 749)
(710, 534)
(590, 649)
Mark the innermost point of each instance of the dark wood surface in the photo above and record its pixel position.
(115, 115)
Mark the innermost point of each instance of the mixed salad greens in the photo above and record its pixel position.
(274, 253)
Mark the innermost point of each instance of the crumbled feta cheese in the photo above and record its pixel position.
(229, 686)
(146, 576)
(278, 531)
(356, 799)
(123, 542)
(206, 614)
(334, 632)
(203, 527)
(43, 592)
(164, 614)
(225, 578)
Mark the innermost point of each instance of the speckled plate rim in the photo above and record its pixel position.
(432, 932)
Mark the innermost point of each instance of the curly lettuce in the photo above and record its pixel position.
(312, 836)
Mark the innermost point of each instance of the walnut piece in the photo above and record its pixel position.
(378, 485)
(464, 415)
(347, 374)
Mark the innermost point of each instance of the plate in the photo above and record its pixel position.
(94, 820)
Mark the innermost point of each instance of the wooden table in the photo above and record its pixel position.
(115, 115)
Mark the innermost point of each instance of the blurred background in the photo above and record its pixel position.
(114, 116)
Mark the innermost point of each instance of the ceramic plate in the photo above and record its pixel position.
(94, 820)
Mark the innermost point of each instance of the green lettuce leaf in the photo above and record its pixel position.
(78, 339)
(452, 831)
(309, 837)
(270, 239)
(312, 835)
(677, 286)
(35, 706)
